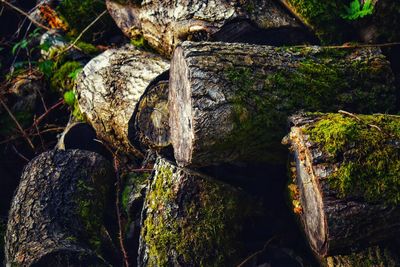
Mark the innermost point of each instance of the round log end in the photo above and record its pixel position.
(180, 108)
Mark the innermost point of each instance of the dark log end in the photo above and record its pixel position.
(180, 108)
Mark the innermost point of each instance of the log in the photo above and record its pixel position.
(165, 24)
(345, 179)
(148, 126)
(190, 219)
(230, 102)
(109, 88)
(58, 213)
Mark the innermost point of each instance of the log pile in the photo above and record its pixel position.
(219, 104)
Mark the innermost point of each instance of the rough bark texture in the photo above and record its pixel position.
(149, 126)
(336, 221)
(230, 102)
(164, 24)
(57, 215)
(191, 220)
(110, 86)
(377, 256)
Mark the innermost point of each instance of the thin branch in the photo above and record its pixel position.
(83, 32)
(358, 119)
(26, 15)
(19, 154)
(350, 46)
(17, 123)
(56, 105)
(243, 263)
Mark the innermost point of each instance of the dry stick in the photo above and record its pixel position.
(118, 189)
(349, 46)
(256, 253)
(56, 105)
(19, 154)
(17, 123)
(358, 119)
(83, 32)
(26, 15)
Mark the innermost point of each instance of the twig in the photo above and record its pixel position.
(26, 15)
(19, 154)
(141, 170)
(349, 46)
(358, 119)
(117, 204)
(56, 105)
(17, 123)
(257, 252)
(54, 129)
(40, 137)
(83, 32)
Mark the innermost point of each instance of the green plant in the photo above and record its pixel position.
(356, 10)
(69, 98)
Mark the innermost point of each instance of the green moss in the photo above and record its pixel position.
(197, 227)
(80, 13)
(324, 17)
(322, 81)
(133, 185)
(90, 206)
(87, 48)
(61, 81)
(366, 151)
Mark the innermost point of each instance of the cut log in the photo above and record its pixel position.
(165, 24)
(57, 215)
(373, 256)
(346, 179)
(230, 102)
(189, 219)
(148, 127)
(109, 88)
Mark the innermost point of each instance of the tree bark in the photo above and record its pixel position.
(230, 102)
(164, 24)
(148, 126)
(57, 215)
(190, 219)
(109, 88)
(337, 223)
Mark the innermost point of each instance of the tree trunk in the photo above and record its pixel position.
(109, 88)
(165, 24)
(230, 102)
(148, 126)
(57, 215)
(189, 219)
(345, 180)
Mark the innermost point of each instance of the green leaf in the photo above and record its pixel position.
(74, 74)
(24, 43)
(46, 67)
(45, 46)
(69, 98)
(14, 48)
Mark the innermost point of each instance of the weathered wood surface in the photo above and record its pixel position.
(149, 125)
(57, 215)
(164, 24)
(337, 223)
(109, 88)
(190, 219)
(230, 102)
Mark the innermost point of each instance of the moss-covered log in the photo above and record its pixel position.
(57, 216)
(230, 102)
(149, 126)
(334, 22)
(192, 220)
(165, 24)
(346, 179)
(109, 88)
(379, 256)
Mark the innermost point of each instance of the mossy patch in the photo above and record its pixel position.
(192, 221)
(366, 151)
(324, 17)
(80, 13)
(61, 80)
(321, 81)
(133, 185)
(90, 207)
